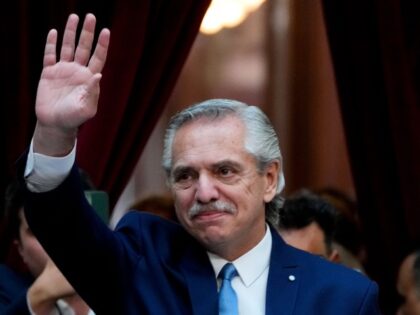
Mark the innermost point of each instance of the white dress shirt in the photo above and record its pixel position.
(44, 173)
(251, 284)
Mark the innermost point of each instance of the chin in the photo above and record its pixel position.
(212, 237)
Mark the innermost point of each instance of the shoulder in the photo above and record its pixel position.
(319, 273)
(328, 285)
(148, 236)
(149, 229)
(137, 220)
(335, 281)
(326, 271)
(12, 278)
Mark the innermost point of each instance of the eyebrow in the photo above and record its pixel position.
(230, 163)
(181, 169)
(185, 169)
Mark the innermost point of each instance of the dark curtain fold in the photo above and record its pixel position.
(150, 41)
(376, 55)
(146, 57)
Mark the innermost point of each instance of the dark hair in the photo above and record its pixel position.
(14, 196)
(348, 226)
(304, 207)
(14, 201)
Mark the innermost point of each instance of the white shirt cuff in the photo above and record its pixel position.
(44, 173)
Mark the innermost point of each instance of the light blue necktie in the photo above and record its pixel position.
(228, 302)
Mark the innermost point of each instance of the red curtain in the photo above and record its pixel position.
(376, 55)
(150, 41)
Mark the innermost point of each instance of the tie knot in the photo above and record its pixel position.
(228, 272)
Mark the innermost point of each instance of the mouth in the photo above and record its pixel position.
(208, 216)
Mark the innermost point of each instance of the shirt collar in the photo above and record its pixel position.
(252, 264)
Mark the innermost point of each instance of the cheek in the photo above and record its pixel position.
(184, 198)
(253, 188)
(35, 251)
(182, 201)
(249, 199)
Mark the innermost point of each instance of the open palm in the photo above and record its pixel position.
(68, 90)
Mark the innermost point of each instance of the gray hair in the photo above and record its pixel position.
(261, 139)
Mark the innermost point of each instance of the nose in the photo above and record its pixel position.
(206, 189)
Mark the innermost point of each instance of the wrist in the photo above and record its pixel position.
(54, 142)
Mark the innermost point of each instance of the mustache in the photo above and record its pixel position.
(220, 206)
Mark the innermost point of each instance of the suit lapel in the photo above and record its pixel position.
(283, 279)
(282, 286)
(201, 281)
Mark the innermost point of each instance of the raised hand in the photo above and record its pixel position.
(68, 90)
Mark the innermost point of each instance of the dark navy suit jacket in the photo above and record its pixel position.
(149, 265)
(13, 288)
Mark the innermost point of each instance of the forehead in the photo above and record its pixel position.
(310, 238)
(209, 140)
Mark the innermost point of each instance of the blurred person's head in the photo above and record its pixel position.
(19, 234)
(30, 250)
(348, 226)
(408, 284)
(307, 222)
(348, 238)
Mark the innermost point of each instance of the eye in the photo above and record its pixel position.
(184, 178)
(225, 171)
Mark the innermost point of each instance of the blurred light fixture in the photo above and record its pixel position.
(227, 13)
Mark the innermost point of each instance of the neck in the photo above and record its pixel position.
(233, 251)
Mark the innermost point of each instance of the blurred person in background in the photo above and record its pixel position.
(408, 284)
(348, 236)
(308, 222)
(41, 287)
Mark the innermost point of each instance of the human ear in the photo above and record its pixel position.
(334, 256)
(271, 175)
